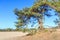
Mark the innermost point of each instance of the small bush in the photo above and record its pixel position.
(32, 32)
(46, 30)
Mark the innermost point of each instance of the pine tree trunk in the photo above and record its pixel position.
(41, 20)
(40, 24)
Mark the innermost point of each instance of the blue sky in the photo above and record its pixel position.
(7, 16)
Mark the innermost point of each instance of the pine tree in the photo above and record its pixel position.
(37, 11)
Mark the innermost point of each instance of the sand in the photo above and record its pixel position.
(8, 35)
(55, 35)
(47, 35)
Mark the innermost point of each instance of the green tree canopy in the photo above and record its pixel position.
(37, 11)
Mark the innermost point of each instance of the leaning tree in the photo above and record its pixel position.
(36, 11)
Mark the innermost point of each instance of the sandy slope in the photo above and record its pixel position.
(42, 36)
(8, 35)
(55, 35)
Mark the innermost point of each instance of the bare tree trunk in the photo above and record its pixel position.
(40, 20)
(40, 24)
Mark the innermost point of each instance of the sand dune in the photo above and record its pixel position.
(8, 35)
(55, 35)
(47, 35)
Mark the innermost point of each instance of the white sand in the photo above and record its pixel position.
(6, 35)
